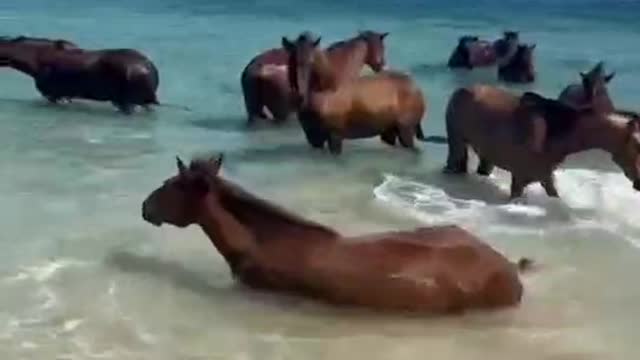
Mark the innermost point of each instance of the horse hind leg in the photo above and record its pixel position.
(419, 133)
(389, 136)
(335, 144)
(406, 135)
(485, 167)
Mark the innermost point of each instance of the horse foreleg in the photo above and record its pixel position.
(125, 108)
(549, 185)
(485, 167)
(335, 144)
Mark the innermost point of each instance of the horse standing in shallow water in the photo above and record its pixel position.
(471, 52)
(388, 103)
(123, 76)
(265, 83)
(530, 135)
(519, 68)
(440, 269)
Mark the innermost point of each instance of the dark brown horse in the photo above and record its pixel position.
(529, 136)
(29, 47)
(520, 67)
(265, 84)
(388, 103)
(124, 77)
(471, 52)
(439, 269)
(592, 91)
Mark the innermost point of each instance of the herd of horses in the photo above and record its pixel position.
(440, 269)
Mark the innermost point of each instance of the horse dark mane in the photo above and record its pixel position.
(561, 119)
(236, 199)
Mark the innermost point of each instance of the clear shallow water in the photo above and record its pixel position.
(82, 276)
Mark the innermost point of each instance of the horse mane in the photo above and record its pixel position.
(561, 119)
(235, 199)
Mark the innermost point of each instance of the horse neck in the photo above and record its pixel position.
(247, 222)
(347, 58)
(324, 76)
(596, 131)
(25, 63)
(231, 238)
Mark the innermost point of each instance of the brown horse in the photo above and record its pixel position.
(530, 136)
(471, 52)
(592, 91)
(389, 103)
(265, 85)
(519, 68)
(440, 269)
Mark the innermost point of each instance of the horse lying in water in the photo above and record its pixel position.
(530, 135)
(265, 83)
(439, 269)
(124, 77)
(389, 103)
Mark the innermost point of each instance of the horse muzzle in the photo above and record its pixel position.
(148, 215)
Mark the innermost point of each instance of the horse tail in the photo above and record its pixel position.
(525, 265)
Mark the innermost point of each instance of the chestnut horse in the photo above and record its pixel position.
(265, 85)
(592, 91)
(388, 103)
(441, 269)
(529, 136)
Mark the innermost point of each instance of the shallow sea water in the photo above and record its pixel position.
(83, 277)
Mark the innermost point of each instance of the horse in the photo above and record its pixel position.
(124, 77)
(388, 103)
(530, 135)
(265, 85)
(437, 270)
(591, 91)
(518, 68)
(471, 52)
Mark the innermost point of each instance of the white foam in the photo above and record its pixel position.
(44, 272)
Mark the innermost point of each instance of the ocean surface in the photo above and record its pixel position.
(82, 276)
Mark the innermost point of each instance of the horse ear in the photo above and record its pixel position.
(286, 44)
(217, 164)
(384, 35)
(182, 169)
(317, 42)
(609, 77)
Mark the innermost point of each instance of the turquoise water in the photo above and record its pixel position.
(82, 276)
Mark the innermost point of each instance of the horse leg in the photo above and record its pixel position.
(517, 186)
(549, 185)
(125, 107)
(389, 136)
(335, 144)
(405, 135)
(419, 132)
(485, 167)
(458, 155)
